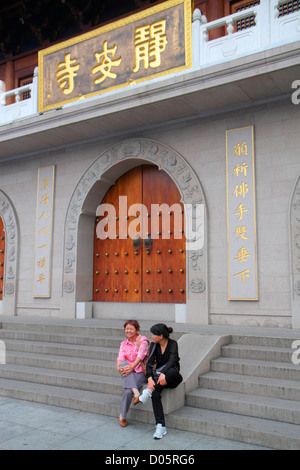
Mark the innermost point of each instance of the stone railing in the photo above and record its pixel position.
(269, 28)
(20, 109)
(271, 24)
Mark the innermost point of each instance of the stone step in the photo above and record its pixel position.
(265, 353)
(83, 400)
(266, 341)
(250, 405)
(268, 433)
(279, 370)
(90, 328)
(93, 402)
(62, 338)
(61, 349)
(64, 327)
(72, 364)
(261, 386)
(62, 378)
(263, 432)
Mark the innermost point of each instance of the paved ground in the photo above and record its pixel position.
(34, 426)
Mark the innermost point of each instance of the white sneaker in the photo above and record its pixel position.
(145, 396)
(160, 432)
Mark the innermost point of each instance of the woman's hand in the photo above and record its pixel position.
(151, 384)
(162, 380)
(126, 370)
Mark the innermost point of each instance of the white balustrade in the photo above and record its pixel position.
(269, 28)
(285, 28)
(20, 108)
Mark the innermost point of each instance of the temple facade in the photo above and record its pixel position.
(150, 161)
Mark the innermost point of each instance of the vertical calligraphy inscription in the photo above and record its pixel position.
(43, 232)
(241, 215)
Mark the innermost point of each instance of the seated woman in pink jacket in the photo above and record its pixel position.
(130, 363)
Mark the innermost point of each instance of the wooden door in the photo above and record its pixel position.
(164, 267)
(2, 256)
(151, 268)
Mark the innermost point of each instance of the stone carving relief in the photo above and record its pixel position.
(69, 287)
(145, 150)
(9, 288)
(195, 258)
(11, 235)
(197, 286)
(297, 287)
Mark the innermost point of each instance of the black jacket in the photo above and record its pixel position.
(163, 362)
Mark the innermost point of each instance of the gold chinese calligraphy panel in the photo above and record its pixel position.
(43, 232)
(241, 215)
(149, 44)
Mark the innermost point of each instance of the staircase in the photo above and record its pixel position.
(251, 394)
(62, 364)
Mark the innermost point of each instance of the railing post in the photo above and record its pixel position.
(2, 95)
(35, 90)
(263, 21)
(196, 38)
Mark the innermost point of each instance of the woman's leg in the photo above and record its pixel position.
(131, 384)
(157, 405)
(173, 379)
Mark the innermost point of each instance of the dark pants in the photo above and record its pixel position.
(173, 379)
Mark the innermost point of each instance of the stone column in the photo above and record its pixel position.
(10, 80)
(215, 9)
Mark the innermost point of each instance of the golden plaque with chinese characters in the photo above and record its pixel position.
(147, 45)
(241, 215)
(43, 232)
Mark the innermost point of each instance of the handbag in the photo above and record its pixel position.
(144, 361)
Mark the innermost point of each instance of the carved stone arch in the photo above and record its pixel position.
(11, 228)
(295, 254)
(80, 219)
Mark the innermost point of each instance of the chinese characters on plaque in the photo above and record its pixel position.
(149, 44)
(241, 216)
(43, 232)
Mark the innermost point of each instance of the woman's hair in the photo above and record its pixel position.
(134, 323)
(161, 329)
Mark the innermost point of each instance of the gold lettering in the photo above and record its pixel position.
(242, 255)
(150, 41)
(241, 190)
(240, 169)
(41, 263)
(240, 211)
(241, 149)
(240, 233)
(41, 278)
(244, 274)
(45, 198)
(67, 73)
(44, 215)
(43, 231)
(45, 183)
(106, 63)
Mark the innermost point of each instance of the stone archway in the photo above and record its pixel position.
(80, 219)
(9, 218)
(295, 254)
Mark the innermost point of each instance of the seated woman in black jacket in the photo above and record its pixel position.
(162, 371)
